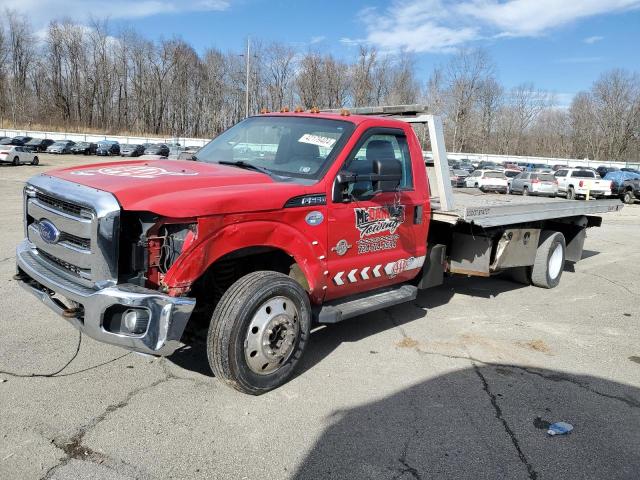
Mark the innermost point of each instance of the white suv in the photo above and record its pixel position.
(488, 180)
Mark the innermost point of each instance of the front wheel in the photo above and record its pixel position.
(35, 161)
(258, 332)
(525, 191)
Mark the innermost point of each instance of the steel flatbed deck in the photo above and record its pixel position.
(492, 210)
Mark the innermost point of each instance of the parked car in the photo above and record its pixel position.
(84, 148)
(511, 173)
(20, 140)
(5, 141)
(602, 170)
(157, 149)
(512, 166)
(532, 166)
(131, 150)
(543, 170)
(38, 144)
(189, 153)
(624, 185)
(577, 182)
(108, 147)
(530, 183)
(61, 146)
(16, 155)
(628, 169)
(458, 177)
(558, 167)
(485, 165)
(488, 181)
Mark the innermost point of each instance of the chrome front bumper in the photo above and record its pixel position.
(168, 315)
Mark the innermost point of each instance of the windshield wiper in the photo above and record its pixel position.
(250, 166)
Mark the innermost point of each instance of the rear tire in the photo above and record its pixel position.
(550, 259)
(16, 161)
(35, 161)
(571, 193)
(628, 197)
(242, 348)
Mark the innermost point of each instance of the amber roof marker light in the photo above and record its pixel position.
(298, 109)
(264, 110)
(284, 109)
(344, 112)
(314, 110)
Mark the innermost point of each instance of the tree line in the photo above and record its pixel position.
(77, 77)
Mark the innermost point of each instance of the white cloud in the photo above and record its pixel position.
(318, 39)
(594, 39)
(83, 10)
(432, 26)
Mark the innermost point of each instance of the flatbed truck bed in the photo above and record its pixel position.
(470, 205)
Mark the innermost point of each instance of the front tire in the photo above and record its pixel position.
(550, 258)
(258, 332)
(35, 161)
(525, 191)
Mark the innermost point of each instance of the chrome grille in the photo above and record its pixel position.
(87, 225)
(62, 205)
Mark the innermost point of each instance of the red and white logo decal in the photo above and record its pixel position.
(142, 171)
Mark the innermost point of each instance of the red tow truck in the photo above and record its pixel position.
(284, 221)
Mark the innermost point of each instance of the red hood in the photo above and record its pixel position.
(180, 188)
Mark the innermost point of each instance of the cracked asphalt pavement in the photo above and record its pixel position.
(461, 383)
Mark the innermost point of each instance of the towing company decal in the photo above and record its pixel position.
(391, 269)
(376, 244)
(133, 172)
(373, 220)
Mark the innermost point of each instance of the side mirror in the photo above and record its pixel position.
(387, 175)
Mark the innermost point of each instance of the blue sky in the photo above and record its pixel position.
(560, 46)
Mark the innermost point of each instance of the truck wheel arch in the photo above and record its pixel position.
(249, 238)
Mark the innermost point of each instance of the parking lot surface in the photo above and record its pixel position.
(460, 383)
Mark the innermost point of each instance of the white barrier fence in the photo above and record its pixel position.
(92, 137)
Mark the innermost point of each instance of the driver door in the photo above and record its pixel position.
(375, 238)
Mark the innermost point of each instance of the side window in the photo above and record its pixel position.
(560, 173)
(381, 146)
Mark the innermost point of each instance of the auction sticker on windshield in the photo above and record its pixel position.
(326, 142)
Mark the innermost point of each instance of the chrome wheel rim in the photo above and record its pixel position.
(555, 262)
(272, 335)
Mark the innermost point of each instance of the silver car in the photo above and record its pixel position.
(531, 183)
(17, 155)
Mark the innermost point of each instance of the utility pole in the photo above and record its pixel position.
(246, 97)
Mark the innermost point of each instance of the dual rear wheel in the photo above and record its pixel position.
(548, 266)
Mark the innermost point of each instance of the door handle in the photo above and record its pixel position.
(417, 215)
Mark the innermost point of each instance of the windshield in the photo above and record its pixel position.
(299, 147)
(494, 175)
(545, 177)
(61, 143)
(511, 173)
(34, 141)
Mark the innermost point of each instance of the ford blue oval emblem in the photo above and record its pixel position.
(314, 218)
(48, 231)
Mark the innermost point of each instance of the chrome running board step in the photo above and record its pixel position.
(342, 309)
